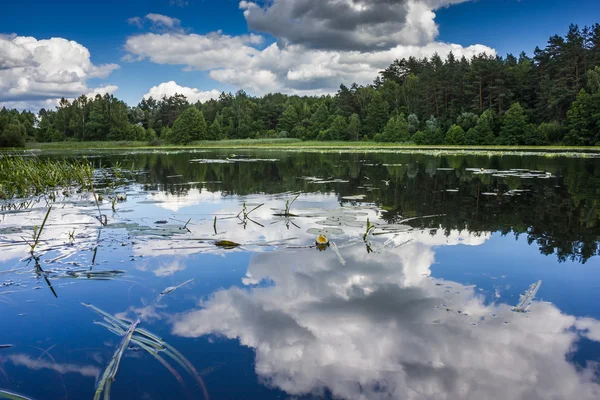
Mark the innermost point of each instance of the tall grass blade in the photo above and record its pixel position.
(113, 366)
(5, 394)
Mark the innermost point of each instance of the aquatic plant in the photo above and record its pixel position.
(5, 394)
(526, 298)
(147, 341)
(113, 366)
(25, 176)
(288, 205)
(37, 232)
(369, 228)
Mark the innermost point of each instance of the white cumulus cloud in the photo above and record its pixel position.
(36, 71)
(170, 88)
(319, 44)
(292, 69)
(201, 52)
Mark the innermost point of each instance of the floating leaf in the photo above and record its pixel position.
(227, 244)
(325, 231)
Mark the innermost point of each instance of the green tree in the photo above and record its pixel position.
(288, 119)
(467, 120)
(483, 131)
(337, 131)
(433, 132)
(455, 135)
(583, 120)
(396, 130)
(514, 126)
(377, 115)
(13, 135)
(215, 132)
(353, 131)
(413, 123)
(190, 125)
(419, 138)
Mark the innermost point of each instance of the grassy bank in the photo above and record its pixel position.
(297, 144)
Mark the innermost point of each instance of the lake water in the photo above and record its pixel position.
(480, 278)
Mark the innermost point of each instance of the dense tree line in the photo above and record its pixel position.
(552, 98)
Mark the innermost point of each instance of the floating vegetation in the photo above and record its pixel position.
(88, 274)
(355, 197)
(325, 231)
(226, 244)
(517, 173)
(392, 228)
(231, 160)
(341, 220)
(526, 298)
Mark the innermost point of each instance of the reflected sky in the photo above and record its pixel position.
(382, 327)
(422, 308)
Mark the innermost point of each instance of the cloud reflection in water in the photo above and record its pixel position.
(382, 327)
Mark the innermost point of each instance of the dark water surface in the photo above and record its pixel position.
(480, 279)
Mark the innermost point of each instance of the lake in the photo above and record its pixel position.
(440, 276)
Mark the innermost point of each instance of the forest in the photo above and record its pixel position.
(552, 98)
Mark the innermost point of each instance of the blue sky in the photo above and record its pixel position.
(308, 58)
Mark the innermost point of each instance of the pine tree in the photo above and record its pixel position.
(288, 119)
(455, 135)
(215, 132)
(377, 115)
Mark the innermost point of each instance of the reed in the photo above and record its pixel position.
(22, 176)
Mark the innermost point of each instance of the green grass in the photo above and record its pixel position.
(24, 176)
(295, 144)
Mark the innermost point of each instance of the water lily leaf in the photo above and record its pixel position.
(325, 231)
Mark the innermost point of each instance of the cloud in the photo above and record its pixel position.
(362, 25)
(38, 71)
(163, 20)
(137, 21)
(179, 3)
(169, 269)
(158, 22)
(36, 365)
(236, 60)
(201, 52)
(192, 94)
(319, 44)
(383, 332)
(102, 90)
